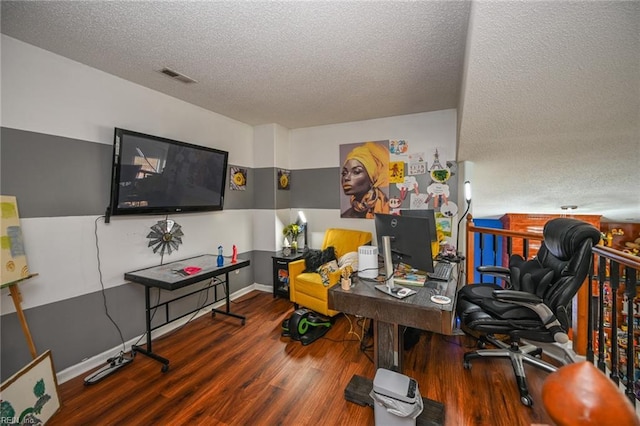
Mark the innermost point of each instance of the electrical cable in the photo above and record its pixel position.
(351, 330)
(114, 363)
(103, 292)
(199, 302)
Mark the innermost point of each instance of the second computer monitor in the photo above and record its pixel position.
(410, 239)
(428, 214)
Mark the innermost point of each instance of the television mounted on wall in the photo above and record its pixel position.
(155, 175)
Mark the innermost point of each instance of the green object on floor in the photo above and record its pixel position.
(305, 326)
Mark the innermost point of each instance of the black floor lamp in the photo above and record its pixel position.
(467, 197)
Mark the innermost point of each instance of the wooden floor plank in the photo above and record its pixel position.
(224, 373)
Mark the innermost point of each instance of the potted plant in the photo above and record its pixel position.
(292, 232)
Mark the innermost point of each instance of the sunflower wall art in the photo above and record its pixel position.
(284, 179)
(238, 178)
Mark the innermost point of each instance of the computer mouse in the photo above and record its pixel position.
(403, 291)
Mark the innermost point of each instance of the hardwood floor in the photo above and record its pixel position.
(223, 373)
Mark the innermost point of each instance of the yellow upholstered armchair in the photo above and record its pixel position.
(306, 288)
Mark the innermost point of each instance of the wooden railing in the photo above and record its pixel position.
(613, 290)
(499, 243)
(614, 318)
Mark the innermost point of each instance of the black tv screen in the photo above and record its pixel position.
(155, 175)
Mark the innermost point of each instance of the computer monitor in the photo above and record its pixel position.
(428, 214)
(410, 240)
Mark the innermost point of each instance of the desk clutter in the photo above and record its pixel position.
(404, 274)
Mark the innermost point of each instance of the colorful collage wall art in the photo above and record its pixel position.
(414, 180)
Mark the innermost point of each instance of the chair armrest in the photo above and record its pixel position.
(334, 277)
(295, 268)
(516, 296)
(493, 270)
(496, 271)
(536, 304)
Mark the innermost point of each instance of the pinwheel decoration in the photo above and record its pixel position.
(166, 235)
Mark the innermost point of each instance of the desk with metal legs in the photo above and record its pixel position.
(390, 314)
(168, 277)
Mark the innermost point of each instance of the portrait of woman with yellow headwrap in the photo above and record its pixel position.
(365, 179)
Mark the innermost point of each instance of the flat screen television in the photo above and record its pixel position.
(409, 237)
(155, 175)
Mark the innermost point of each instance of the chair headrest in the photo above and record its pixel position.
(564, 236)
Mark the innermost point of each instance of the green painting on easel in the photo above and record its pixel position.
(13, 260)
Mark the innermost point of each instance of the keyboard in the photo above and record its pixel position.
(442, 271)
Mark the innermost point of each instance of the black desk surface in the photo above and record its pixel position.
(413, 311)
(166, 276)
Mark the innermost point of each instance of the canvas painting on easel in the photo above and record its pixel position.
(14, 260)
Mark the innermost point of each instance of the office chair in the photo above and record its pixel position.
(537, 307)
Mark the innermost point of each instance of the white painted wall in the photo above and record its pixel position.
(318, 147)
(271, 150)
(46, 93)
(264, 153)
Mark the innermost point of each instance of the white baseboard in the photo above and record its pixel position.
(100, 359)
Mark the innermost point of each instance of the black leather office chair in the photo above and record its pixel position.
(537, 307)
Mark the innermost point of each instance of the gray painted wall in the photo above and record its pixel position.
(77, 175)
(78, 172)
(316, 188)
(264, 191)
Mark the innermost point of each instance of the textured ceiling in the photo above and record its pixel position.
(298, 64)
(551, 107)
(547, 92)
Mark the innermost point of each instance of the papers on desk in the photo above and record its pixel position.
(410, 279)
(405, 275)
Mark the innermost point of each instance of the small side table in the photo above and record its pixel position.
(281, 273)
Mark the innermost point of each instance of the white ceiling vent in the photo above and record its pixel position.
(177, 76)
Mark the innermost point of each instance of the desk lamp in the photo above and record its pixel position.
(467, 197)
(302, 221)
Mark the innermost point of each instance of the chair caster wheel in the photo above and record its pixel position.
(526, 400)
(165, 368)
(466, 365)
(481, 344)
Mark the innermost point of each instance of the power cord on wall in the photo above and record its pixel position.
(120, 360)
(115, 362)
